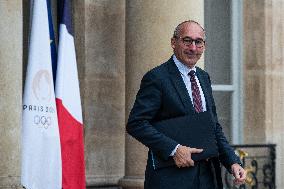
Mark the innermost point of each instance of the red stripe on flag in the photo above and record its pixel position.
(72, 149)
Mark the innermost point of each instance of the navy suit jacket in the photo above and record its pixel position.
(163, 95)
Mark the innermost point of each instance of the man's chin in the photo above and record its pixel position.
(190, 63)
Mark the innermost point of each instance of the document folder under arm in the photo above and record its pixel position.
(193, 130)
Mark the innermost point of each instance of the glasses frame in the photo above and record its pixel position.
(192, 41)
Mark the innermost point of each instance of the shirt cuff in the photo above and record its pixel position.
(174, 151)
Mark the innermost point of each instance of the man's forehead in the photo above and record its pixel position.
(191, 29)
(191, 24)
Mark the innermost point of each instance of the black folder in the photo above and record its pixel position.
(193, 130)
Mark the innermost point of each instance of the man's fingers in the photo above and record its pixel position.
(183, 156)
(179, 160)
(237, 173)
(187, 162)
(240, 175)
(183, 161)
(195, 150)
(191, 162)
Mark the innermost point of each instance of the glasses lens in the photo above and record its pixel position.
(199, 42)
(187, 40)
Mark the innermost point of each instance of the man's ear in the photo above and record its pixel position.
(173, 42)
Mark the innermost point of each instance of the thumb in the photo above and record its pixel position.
(236, 174)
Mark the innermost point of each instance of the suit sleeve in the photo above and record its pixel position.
(146, 106)
(227, 155)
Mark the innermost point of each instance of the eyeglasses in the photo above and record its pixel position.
(188, 41)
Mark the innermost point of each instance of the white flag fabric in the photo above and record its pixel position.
(41, 153)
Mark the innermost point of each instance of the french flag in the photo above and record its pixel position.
(68, 104)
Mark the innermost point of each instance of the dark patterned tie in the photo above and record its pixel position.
(195, 93)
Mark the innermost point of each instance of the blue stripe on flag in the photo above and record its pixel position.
(52, 41)
(65, 17)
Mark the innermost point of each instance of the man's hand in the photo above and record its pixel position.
(239, 173)
(182, 156)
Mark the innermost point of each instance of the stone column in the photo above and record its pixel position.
(101, 34)
(264, 73)
(149, 28)
(11, 51)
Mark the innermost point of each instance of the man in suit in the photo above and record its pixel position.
(177, 88)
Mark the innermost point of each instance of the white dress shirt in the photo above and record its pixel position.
(184, 70)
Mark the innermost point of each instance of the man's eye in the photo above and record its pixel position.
(187, 40)
(198, 41)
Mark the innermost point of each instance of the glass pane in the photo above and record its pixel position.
(218, 40)
(223, 104)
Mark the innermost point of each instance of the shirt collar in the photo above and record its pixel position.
(183, 69)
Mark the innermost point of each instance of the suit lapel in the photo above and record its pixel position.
(180, 86)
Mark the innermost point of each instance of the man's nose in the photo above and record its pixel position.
(192, 46)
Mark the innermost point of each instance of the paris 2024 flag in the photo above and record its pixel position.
(41, 153)
(69, 105)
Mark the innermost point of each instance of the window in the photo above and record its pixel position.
(223, 61)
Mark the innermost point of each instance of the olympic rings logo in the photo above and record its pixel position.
(42, 121)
